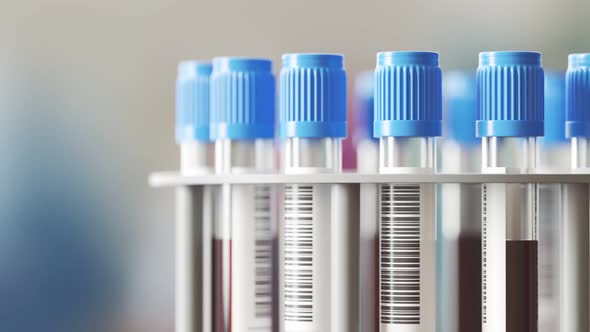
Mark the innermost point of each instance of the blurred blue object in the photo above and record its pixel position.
(59, 265)
(460, 107)
(364, 101)
(554, 109)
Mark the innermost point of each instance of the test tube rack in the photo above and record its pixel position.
(175, 179)
(348, 195)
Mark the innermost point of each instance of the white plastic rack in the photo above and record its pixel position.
(172, 179)
(346, 197)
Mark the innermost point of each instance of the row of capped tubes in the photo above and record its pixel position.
(310, 141)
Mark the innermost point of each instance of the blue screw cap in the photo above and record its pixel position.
(313, 95)
(242, 98)
(578, 95)
(459, 107)
(510, 94)
(192, 101)
(364, 101)
(554, 109)
(408, 93)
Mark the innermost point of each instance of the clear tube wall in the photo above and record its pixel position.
(580, 153)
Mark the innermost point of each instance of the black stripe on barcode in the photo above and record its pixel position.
(400, 254)
(299, 253)
(484, 256)
(263, 252)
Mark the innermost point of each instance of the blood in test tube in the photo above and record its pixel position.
(459, 208)
(242, 125)
(510, 118)
(194, 219)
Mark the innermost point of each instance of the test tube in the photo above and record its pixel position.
(367, 156)
(574, 278)
(194, 219)
(367, 147)
(407, 120)
(459, 209)
(553, 157)
(245, 236)
(312, 124)
(510, 117)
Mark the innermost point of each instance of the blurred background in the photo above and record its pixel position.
(87, 111)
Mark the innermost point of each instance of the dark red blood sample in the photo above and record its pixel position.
(521, 286)
(469, 265)
(219, 320)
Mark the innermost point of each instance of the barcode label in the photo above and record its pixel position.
(263, 252)
(400, 254)
(299, 253)
(484, 256)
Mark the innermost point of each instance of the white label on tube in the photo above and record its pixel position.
(407, 266)
(494, 257)
(251, 258)
(306, 258)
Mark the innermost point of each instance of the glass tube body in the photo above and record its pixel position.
(245, 245)
(552, 157)
(459, 238)
(580, 153)
(193, 241)
(367, 153)
(407, 238)
(306, 237)
(509, 238)
(196, 157)
(575, 244)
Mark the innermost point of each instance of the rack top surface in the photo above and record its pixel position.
(167, 179)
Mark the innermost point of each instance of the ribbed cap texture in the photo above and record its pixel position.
(578, 96)
(510, 94)
(242, 98)
(408, 89)
(313, 96)
(192, 101)
(460, 107)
